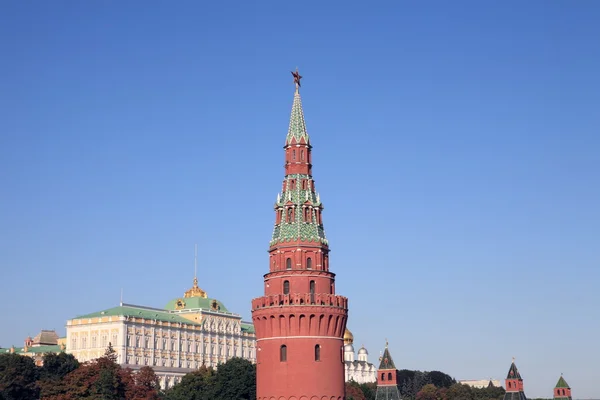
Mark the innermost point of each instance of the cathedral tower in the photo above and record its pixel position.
(300, 321)
(514, 384)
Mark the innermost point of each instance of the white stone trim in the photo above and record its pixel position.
(300, 337)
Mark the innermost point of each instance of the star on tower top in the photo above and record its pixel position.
(297, 78)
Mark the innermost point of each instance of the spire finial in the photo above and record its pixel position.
(513, 359)
(121, 303)
(297, 78)
(386, 343)
(195, 262)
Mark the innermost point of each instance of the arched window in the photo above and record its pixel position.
(290, 214)
(509, 385)
(317, 352)
(293, 154)
(283, 353)
(302, 155)
(312, 291)
(389, 376)
(286, 287)
(288, 263)
(309, 263)
(383, 376)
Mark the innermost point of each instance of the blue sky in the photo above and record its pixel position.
(456, 150)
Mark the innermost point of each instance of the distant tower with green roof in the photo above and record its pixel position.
(387, 377)
(514, 384)
(562, 391)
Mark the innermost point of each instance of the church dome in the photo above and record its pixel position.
(349, 348)
(364, 351)
(348, 337)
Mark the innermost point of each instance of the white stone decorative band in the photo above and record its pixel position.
(300, 337)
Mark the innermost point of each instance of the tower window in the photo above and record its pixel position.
(383, 376)
(283, 353)
(389, 376)
(312, 292)
(293, 154)
(290, 214)
(309, 263)
(317, 352)
(286, 287)
(288, 263)
(302, 155)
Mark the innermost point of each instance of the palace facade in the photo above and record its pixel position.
(190, 331)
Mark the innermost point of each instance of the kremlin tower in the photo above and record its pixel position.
(562, 391)
(514, 384)
(387, 378)
(300, 321)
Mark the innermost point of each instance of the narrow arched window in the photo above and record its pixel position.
(302, 155)
(286, 287)
(317, 352)
(283, 353)
(290, 215)
(389, 376)
(509, 385)
(383, 376)
(293, 154)
(288, 263)
(309, 263)
(312, 292)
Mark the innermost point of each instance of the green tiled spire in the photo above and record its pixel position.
(311, 230)
(385, 361)
(562, 383)
(513, 372)
(297, 128)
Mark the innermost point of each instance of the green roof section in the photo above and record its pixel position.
(386, 361)
(513, 372)
(562, 383)
(34, 349)
(247, 328)
(297, 128)
(190, 303)
(138, 312)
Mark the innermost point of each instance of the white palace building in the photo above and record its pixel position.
(190, 331)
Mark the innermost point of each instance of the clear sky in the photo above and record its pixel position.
(456, 149)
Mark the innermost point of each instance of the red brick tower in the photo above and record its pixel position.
(300, 321)
(562, 391)
(514, 384)
(387, 378)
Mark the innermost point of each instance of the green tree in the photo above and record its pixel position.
(354, 391)
(428, 392)
(197, 385)
(56, 366)
(369, 390)
(18, 376)
(460, 392)
(440, 379)
(236, 379)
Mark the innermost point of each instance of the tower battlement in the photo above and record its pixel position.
(300, 299)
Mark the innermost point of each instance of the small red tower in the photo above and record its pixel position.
(514, 384)
(562, 391)
(300, 321)
(387, 378)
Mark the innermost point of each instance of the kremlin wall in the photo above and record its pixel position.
(297, 338)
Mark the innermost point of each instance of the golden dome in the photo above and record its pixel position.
(195, 291)
(348, 337)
